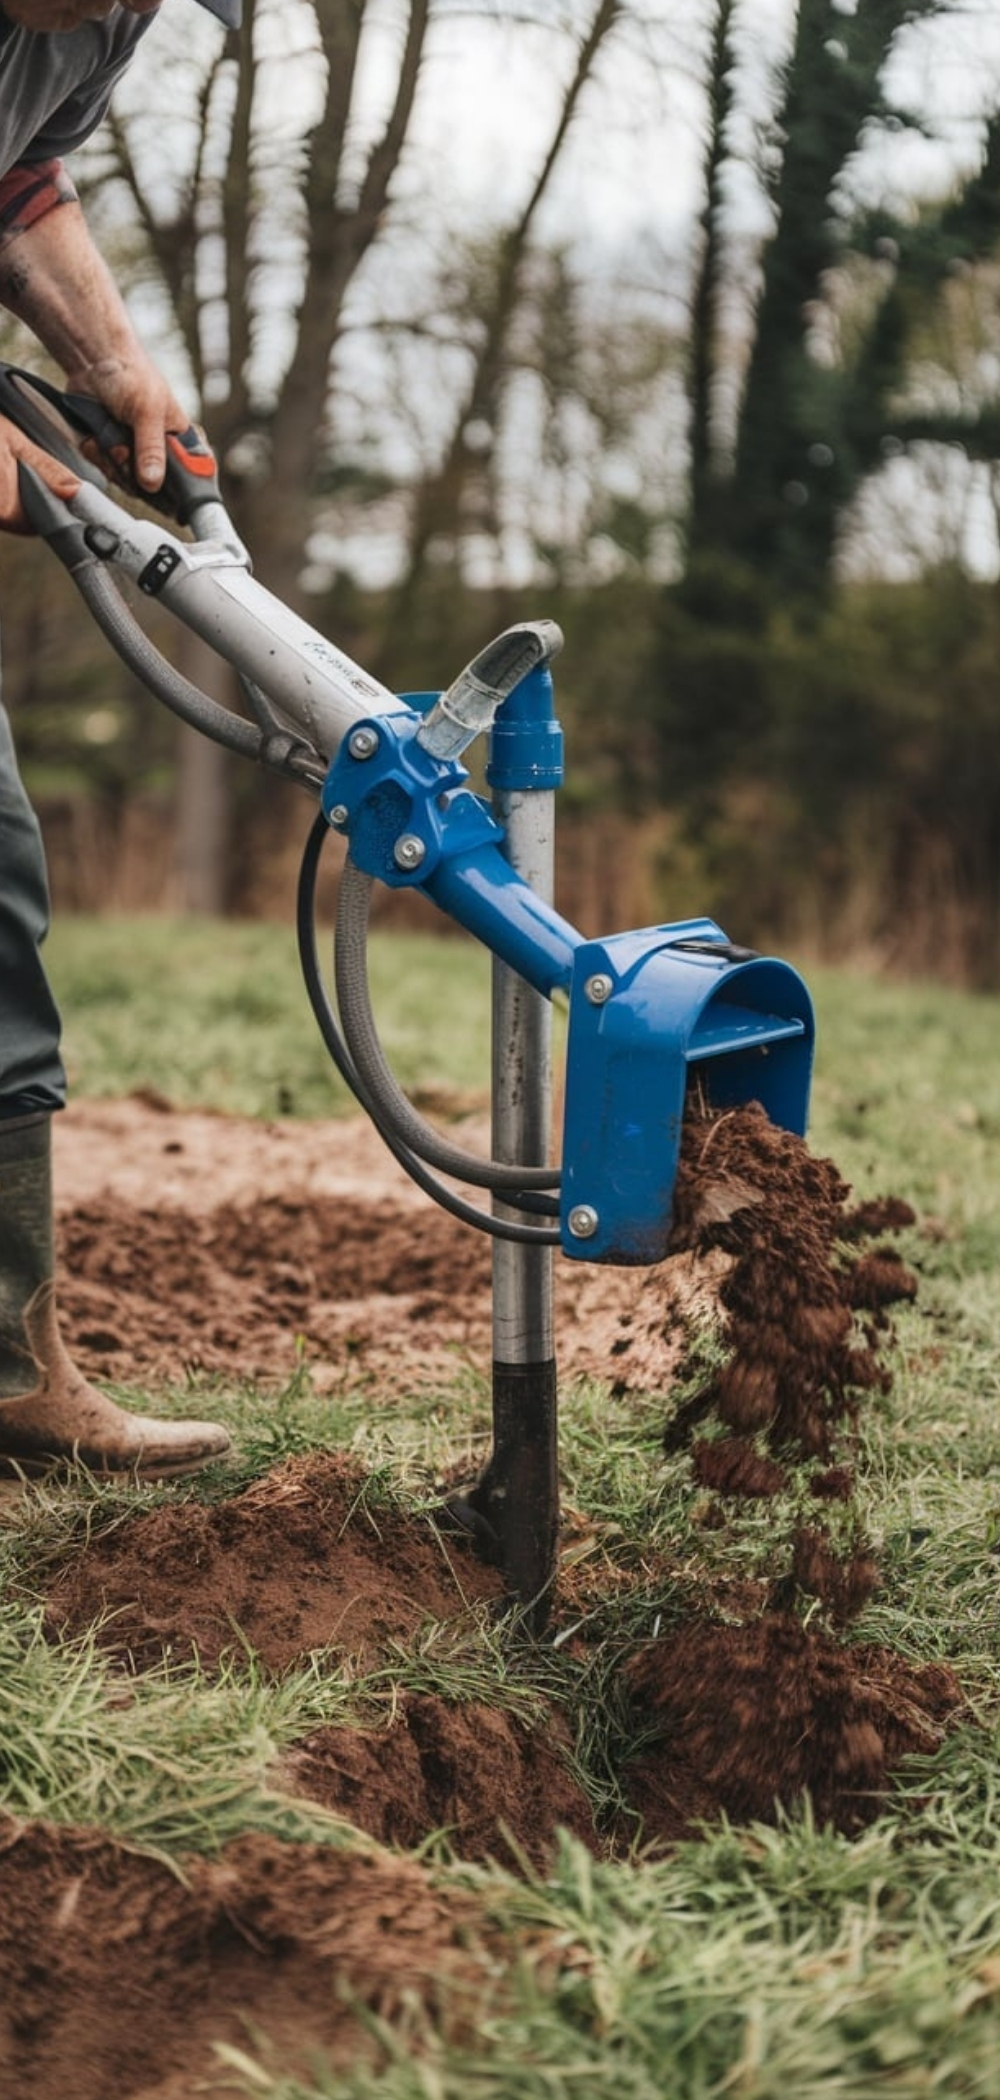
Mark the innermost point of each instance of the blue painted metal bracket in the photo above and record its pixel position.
(401, 808)
(645, 1009)
(413, 823)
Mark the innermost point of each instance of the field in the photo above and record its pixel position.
(288, 1807)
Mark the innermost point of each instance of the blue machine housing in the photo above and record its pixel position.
(646, 1008)
(665, 1006)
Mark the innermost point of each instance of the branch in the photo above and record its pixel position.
(236, 222)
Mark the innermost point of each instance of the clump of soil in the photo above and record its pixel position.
(798, 1361)
(732, 1466)
(845, 1582)
(768, 1712)
(745, 1718)
(117, 1977)
(472, 1770)
(302, 1560)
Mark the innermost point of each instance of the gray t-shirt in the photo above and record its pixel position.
(55, 89)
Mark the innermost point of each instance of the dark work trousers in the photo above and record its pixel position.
(31, 1069)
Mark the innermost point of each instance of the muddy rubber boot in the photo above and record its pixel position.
(48, 1411)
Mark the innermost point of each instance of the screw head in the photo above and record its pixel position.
(598, 988)
(583, 1221)
(339, 814)
(409, 851)
(363, 743)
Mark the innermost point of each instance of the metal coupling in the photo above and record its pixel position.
(363, 742)
(409, 851)
(583, 1221)
(599, 988)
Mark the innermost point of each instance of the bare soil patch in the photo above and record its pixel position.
(117, 1976)
(196, 1246)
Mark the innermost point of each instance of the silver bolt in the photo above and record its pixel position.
(363, 743)
(598, 989)
(583, 1221)
(339, 813)
(408, 851)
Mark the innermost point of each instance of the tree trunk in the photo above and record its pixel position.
(205, 781)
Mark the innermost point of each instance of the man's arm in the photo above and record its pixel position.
(54, 279)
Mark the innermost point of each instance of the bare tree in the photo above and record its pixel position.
(842, 293)
(438, 500)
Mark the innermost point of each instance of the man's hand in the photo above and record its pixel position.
(53, 278)
(15, 446)
(137, 394)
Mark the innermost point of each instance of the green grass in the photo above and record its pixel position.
(214, 1014)
(785, 1964)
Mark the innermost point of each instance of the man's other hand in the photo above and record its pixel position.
(14, 446)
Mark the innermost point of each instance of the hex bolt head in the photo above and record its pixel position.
(339, 814)
(598, 988)
(583, 1221)
(363, 743)
(408, 851)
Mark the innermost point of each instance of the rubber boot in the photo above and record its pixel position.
(48, 1411)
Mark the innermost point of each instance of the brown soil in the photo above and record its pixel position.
(479, 1774)
(196, 1246)
(746, 1718)
(798, 1364)
(300, 1561)
(117, 1977)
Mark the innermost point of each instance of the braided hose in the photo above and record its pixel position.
(351, 969)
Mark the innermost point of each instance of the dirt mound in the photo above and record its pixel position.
(747, 1717)
(117, 1977)
(303, 1559)
(471, 1770)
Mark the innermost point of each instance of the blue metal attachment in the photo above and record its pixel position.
(648, 1009)
(400, 807)
(526, 740)
(413, 823)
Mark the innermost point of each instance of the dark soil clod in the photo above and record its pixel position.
(747, 1719)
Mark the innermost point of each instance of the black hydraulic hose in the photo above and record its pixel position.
(498, 1228)
(366, 1051)
(133, 645)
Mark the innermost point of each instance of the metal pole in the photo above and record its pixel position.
(522, 1484)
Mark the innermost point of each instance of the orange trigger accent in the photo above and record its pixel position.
(202, 463)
